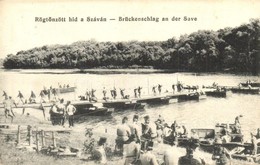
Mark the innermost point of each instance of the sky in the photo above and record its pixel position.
(20, 31)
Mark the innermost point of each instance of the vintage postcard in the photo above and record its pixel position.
(129, 82)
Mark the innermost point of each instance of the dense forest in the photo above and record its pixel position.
(229, 49)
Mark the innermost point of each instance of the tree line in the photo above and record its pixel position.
(229, 49)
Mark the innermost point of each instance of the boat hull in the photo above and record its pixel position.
(245, 90)
(189, 97)
(251, 84)
(216, 93)
(91, 110)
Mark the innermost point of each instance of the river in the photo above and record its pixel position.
(194, 114)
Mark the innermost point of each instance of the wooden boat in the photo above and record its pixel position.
(66, 89)
(93, 109)
(123, 104)
(216, 93)
(245, 90)
(207, 137)
(86, 109)
(252, 84)
(188, 97)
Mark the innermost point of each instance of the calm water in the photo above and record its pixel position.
(202, 114)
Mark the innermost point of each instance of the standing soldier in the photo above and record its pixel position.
(122, 93)
(112, 93)
(20, 95)
(179, 86)
(139, 91)
(115, 93)
(87, 94)
(93, 93)
(154, 90)
(173, 88)
(32, 97)
(70, 111)
(42, 95)
(93, 97)
(8, 106)
(135, 91)
(159, 88)
(61, 111)
(54, 92)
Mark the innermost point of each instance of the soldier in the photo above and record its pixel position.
(93, 97)
(21, 98)
(70, 111)
(87, 94)
(61, 111)
(159, 88)
(173, 88)
(112, 93)
(135, 91)
(154, 90)
(32, 97)
(139, 91)
(148, 133)
(122, 93)
(123, 134)
(8, 106)
(115, 93)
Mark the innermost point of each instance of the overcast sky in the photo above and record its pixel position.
(19, 31)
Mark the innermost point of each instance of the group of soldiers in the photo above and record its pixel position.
(59, 113)
(90, 94)
(9, 103)
(159, 88)
(135, 143)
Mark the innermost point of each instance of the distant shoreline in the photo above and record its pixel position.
(117, 71)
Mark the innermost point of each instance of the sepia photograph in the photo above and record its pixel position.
(171, 82)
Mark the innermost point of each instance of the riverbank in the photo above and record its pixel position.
(104, 71)
(75, 139)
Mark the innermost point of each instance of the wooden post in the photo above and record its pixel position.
(37, 141)
(18, 135)
(30, 135)
(43, 138)
(53, 139)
